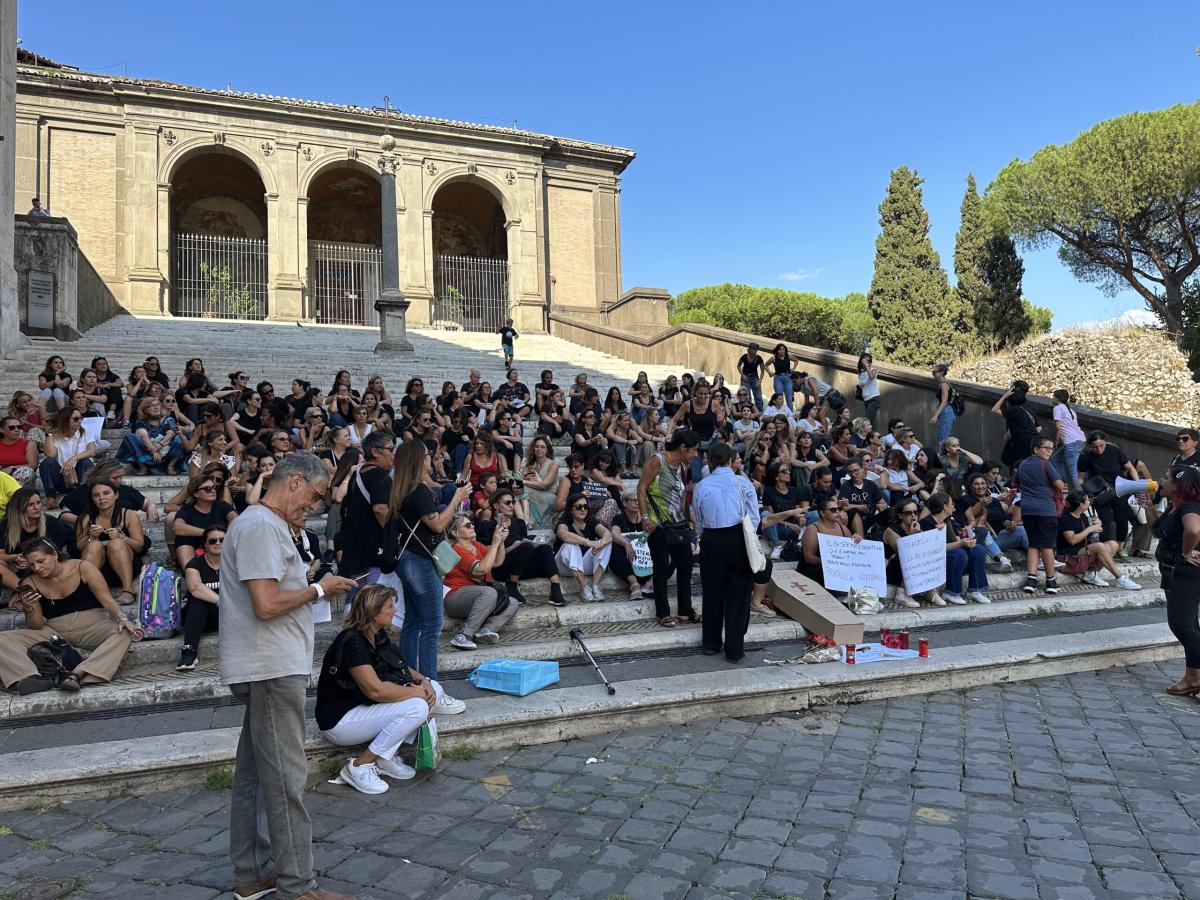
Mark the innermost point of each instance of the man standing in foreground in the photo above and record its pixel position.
(266, 651)
(726, 582)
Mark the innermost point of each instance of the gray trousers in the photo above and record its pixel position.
(269, 827)
(477, 604)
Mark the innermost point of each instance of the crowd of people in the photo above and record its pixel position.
(451, 501)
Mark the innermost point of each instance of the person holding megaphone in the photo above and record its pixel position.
(1178, 555)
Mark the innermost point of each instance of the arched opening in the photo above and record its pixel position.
(218, 238)
(344, 256)
(470, 254)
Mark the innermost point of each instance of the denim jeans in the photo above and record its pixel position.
(52, 478)
(972, 562)
(754, 386)
(1066, 458)
(871, 409)
(1005, 540)
(423, 612)
(269, 827)
(782, 384)
(945, 424)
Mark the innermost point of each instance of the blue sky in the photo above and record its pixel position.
(765, 132)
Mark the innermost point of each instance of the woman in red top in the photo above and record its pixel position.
(18, 454)
(483, 458)
(484, 605)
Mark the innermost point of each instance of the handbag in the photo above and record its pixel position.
(754, 553)
(675, 534)
(1074, 563)
(444, 556)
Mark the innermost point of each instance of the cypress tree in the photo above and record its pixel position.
(919, 320)
(989, 274)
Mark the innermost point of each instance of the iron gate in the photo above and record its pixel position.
(218, 277)
(470, 293)
(344, 282)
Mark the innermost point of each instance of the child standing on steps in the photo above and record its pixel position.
(507, 336)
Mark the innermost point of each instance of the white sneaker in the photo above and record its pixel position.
(777, 551)
(1005, 564)
(462, 642)
(487, 636)
(904, 600)
(954, 599)
(597, 593)
(1093, 578)
(363, 778)
(938, 600)
(395, 768)
(1126, 583)
(979, 596)
(448, 706)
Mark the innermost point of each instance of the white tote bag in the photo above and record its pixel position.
(754, 552)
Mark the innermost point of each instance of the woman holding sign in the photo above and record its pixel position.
(831, 520)
(905, 521)
(963, 554)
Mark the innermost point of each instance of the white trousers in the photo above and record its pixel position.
(385, 725)
(572, 558)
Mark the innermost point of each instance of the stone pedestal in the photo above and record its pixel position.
(392, 307)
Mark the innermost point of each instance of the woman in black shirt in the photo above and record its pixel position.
(367, 692)
(414, 509)
(201, 613)
(1178, 533)
(25, 519)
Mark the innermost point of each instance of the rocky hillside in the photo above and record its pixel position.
(1126, 370)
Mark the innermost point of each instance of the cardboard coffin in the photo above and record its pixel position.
(805, 601)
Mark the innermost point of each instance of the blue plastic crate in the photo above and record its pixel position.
(514, 676)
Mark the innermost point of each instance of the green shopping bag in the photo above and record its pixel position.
(428, 755)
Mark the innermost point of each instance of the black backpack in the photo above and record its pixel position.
(55, 659)
(957, 403)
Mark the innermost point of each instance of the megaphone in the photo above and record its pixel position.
(1125, 486)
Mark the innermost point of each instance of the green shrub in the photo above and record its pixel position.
(832, 323)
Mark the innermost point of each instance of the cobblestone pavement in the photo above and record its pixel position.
(1081, 786)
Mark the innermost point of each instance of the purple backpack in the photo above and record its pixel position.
(158, 608)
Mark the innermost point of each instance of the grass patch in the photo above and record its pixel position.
(5, 831)
(155, 882)
(331, 767)
(1046, 612)
(44, 806)
(463, 752)
(41, 844)
(517, 747)
(219, 780)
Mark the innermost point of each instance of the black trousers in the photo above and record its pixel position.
(527, 560)
(726, 584)
(1183, 608)
(620, 566)
(666, 557)
(1115, 516)
(198, 617)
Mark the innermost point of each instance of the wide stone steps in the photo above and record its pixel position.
(150, 678)
(580, 709)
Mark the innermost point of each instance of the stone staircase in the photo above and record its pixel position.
(665, 680)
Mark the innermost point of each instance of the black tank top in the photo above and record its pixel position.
(79, 600)
(783, 365)
(703, 423)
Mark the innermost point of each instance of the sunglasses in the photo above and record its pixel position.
(580, 506)
(12, 427)
(215, 541)
(1182, 438)
(207, 487)
(908, 512)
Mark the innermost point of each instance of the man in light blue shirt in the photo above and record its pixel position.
(718, 504)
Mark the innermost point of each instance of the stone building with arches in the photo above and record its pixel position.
(199, 202)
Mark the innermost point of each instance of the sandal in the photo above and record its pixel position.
(635, 592)
(763, 611)
(693, 619)
(70, 683)
(1189, 691)
(132, 597)
(668, 621)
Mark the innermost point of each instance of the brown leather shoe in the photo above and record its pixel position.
(254, 891)
(319, 894)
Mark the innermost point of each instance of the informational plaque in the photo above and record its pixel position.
(39, 310)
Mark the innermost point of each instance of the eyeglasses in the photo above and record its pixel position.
(214, 541)
(580, 506)
(242, 378)
(207, 487)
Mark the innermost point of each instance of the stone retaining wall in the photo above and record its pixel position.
(907, 393)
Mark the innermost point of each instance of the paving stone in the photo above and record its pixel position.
(734, 877)
(1140, 883)
(656, 886)
(858, 890)
(1009, 887)
(1077, 851)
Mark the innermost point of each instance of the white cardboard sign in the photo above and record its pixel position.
(923, 560)
(846, 565)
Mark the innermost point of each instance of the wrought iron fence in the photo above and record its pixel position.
(218, 277)
(344, 281)
(470, 293)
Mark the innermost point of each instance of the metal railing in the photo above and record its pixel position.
(218, 277)
(344, 281)
(470, 293)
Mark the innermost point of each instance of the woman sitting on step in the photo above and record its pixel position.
(67, 598)
(201, 511)
(153, 445)
(69, 455)
(482, 603)
(582, 547)
(109, 535)
(367, 692)
(214, 447)
(24, 520)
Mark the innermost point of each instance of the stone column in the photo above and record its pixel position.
(392, 305)
(143, 268)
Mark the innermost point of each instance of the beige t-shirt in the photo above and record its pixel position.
(259, 545)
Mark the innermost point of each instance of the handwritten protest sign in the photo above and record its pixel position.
(923, 560)
(846, 565)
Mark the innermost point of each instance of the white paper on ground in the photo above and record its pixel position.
(321, 612)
